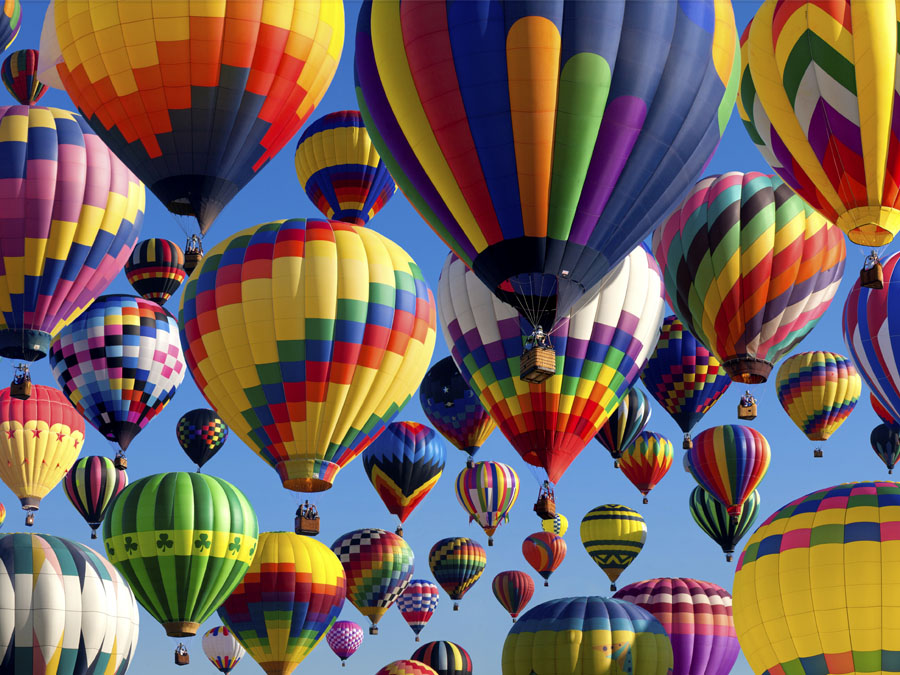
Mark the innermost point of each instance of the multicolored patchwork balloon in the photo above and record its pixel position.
(749, 269)
(344, 638)
(378, 566)
(446, 658)
(697, 619)
(513, 589)
(19, 75)
(10, 22)
(156, 269)
(453, 408)
(119, 364)
(418, 602)
(287, 601)
(647, 460)
(587, 634)
(613, 535)
(183, 541)
(339, 168)
(713, 518)
(558, 524)
(70, 612)
(62, 245)
(222, 649)
(457, 563)
(355, 332)
(201, 434)
(488, 491)
(404, 463)
(91, 485)
(885, 440)
(406, 667)
(625, 423)
(198, 104)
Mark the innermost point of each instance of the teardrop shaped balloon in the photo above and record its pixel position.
(713, 518)
(343, 363)
(749, 269)
(885, 440)
(344, 638)
(19, 75)
(10, 22)
(446, 658)
(67, 241)
(417, 603)
(883, 413)
(613, 535)
(513, 590)
(156, 269)
(340, 170)
(203, 99)
(544, 551)
(40, 439)
(91, 485)
(222, 649)
(201, 434)
(119, 364)
(457, 563)
(625, 423)
(600, 350)
(406, 667)
(453, 408)
(558, 524)
(538, 188)
(647, 460)
(488, 491)
(284, 605)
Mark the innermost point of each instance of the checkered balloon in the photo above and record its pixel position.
(201, 434)
(344, 638)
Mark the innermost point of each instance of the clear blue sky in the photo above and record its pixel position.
(675, 545)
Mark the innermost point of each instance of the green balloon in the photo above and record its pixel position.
(183, 541)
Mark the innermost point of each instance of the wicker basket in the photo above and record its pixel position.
(872, 277)
(191, 260)
(545, 508)
(307, 526)
(120, 462)
(182, 659)
(747, 412)
(537, 364)
(20, 390)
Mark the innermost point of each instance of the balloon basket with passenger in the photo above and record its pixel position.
(545, 506)
(538, 361)
(121, 461)
(306, 520)
(182, 658)
(193, 253)
(747, 407)
(20, 387)
(872, 275)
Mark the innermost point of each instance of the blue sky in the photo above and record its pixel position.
(675, 545)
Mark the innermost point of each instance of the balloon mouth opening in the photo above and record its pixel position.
(307, 475)
(24, 345)
(181, 207)
(870, 225)
(181, 628)
(306, 484)
(30, 503)
(747, 369)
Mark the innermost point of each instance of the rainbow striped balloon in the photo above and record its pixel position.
(647, 460)
(19, 75)
(418, 602)
(749, 268)
(10, 22)
(457, 563)
(613, 535)
(339, 168)
(487, 491)
(818, 391)
(513, 589)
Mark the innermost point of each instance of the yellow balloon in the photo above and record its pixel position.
(557, 525)
(613, 535)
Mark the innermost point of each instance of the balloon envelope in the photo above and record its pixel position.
(446, 658)
(417, 603)
(201, 434)
(625, 422)
(558, 524)
(885, 440)
(613, 535)
(91, 485)
(10, 22)
(344, 638)
(19, 75)
(513, 589)
(487, 491)
(156, 269)
(647, 460)
(406, 667)
(457, 563)
(222, 648)
(713, 518)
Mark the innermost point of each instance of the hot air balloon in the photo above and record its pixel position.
(777, 266)
(457, 563)
(625, 423)
(91, 484)
(646, 460)
(287, 601)
(403, 464)
(453, 408)
(406, 667)
(417, 603)
(729, 462)
(613, 535)
(19, 75)
(343, 385)
(539, 191)
(697, 619)
(558, 524)
(340, 170)
(818, 391)
(156, 269)
(40, 439)
(69, 611)
(119, 364)
(183, 541)
(10, 22)
(222, 649)
(487, 491)
(513, 589)
(2, 514)
(344, 638)
(833, 611)
(713, 518)
(883, 414)
(885, 440)
(201, 434)
(683, 376)
(65, 243)
(201, 106)
(599, 352)
(585, 635)
(379, 567)
(544, 551)
(446, 658)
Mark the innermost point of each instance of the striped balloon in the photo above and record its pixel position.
(885, 440)
(513, 589)
(2, 514)
(683, 375)
(339, 168)
(91, 484)
(10, 22)
(544, 551)
(222, 649)
(406, 667)
(816, 95)
(818, 391)
(156, 269)
(647, 460)
(600, 351)
(613, 535)
(446, 658)
(749, 269)
(119, 364)
(457, 563)
(697, 619)
(418, 602)
(729, 462)
(558, 524)
(625, 423)
(883, 414)
(712, 517)
(19, 75)
(487, 491)
(344, 638)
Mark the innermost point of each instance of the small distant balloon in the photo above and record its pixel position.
(222, 648)
(19, 75)
(156, 269)
(344, 638)
(201, 434)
